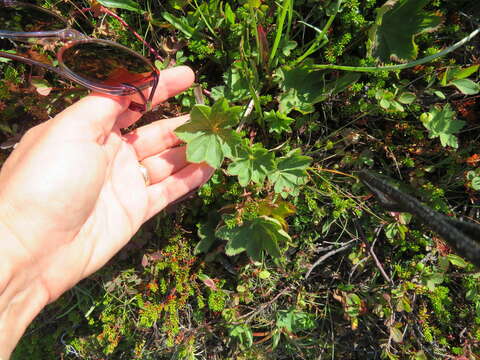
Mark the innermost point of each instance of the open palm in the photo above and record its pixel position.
(72, 193)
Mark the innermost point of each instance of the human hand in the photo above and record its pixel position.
(72, 193)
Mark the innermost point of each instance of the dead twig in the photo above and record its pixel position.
(250, 315)
(377, 262)
(329, 254)
(354, 268)
(324, 248)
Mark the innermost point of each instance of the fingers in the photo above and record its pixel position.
(175, 186)
(171, 82)
(92, 117)
(156, 137)
(170, 161)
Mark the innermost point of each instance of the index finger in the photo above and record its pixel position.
(92, 117)
(153, 138)
(171, 82)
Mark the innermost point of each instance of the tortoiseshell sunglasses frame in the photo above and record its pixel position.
(71, 37)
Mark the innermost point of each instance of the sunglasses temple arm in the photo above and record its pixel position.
(459, 235)
(147, 102)
(156, 79)
(135, 106)
(33, 63)
(65, 34)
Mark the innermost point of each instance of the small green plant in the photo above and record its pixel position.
(393, 101)
(442, 123)
(210, 138)
(290, 322)
(457, 76)
(254, 237)
(473, 178)
(242, 334)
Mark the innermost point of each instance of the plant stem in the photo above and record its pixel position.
(256, 103)
(290, 18)
(205, 20)
(400, 66)
(256, 99)
(257, 37)
(278, 35)
(132, 30)
(251, 75)
(318, 42)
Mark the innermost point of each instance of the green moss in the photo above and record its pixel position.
(216, 300)
(441, 304)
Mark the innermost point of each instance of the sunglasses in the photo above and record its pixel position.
(100, 65)
(462, 236)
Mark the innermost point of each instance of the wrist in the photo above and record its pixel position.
(22, 294)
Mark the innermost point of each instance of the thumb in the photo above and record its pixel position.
(91, 118)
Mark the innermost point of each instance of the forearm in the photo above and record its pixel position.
(22, 295)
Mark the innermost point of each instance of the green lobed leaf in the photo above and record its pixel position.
(278, 122)
(449, 140)
(303, 88)
(279, 210)
(300, 87)
(122, 4)
(206, 233)
(255, 236)
(476, 183)
(251, 163)
(209, 134)
(441, 123)
(290, 173)
(293, 320)
(398, 22)
(236, 85)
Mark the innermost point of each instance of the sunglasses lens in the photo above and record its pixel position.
(25, 17)
(106, 63)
